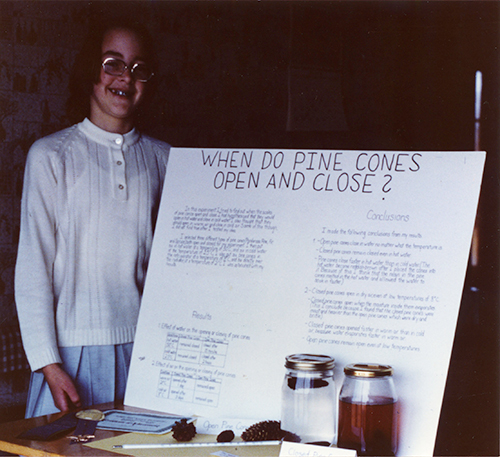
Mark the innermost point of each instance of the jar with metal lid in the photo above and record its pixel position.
(309, 405)
(368, 410)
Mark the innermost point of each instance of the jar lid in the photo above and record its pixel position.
(309, 362)
(368, 370)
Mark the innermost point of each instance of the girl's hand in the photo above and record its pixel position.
(62, 387)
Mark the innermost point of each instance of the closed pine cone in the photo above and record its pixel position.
(263, 431)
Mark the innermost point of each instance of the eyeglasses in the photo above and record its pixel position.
(116, 67)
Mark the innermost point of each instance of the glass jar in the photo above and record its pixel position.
(309, 406)
(368, 410)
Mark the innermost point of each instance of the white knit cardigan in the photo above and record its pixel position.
(88, 211)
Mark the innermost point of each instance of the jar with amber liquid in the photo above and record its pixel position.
(368, 410)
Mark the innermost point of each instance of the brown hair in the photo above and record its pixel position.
(87, 65)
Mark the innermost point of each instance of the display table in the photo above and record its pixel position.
(105, 439)
(58, 447)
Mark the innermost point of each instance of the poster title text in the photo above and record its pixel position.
(325, 171)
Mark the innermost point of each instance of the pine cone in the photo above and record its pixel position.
(263, 431)
(184, 431)
(225, 437)
(268, 431)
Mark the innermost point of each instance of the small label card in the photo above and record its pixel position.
(127, 421)
(216, 425)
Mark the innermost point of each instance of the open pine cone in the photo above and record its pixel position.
(183, 431)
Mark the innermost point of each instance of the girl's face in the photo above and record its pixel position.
(115, 99)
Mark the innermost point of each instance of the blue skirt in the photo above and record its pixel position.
(99, 372)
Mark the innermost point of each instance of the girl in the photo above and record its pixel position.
(90, 198)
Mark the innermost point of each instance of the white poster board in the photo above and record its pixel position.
(259, 254)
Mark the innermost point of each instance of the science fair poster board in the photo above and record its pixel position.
(259, 254)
